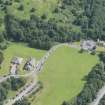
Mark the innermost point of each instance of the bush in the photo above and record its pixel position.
(44, 16)
(32, 10)
(102, 56)
(93, 52)
(3, 45)
(17, 1)
(17, 83)
(1, 57)
(21, 7)
(81, 51)
(65, 103)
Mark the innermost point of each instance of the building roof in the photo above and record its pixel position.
(31, 62)
(88, 44)
(17, 60)
(13, 69)
(28, 67)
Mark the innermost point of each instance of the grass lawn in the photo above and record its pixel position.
(11, 94)
(101, 49)
(62, 76)
(20, 50)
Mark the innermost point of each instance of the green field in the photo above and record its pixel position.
(20, 50)
(62, 76)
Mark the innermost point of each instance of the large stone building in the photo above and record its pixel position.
(88, 45)
(16, 60)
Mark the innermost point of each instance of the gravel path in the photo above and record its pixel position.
(99, 96)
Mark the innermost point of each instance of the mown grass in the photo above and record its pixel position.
(62, 76)
(20, 50)
(100, 49)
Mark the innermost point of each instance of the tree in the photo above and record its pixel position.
(65, 103)
(32, 10)
(1, 37)
(3, 94)
(21, 7)
(16, 83)
(102, 57)
(1, 57)
(94, 81)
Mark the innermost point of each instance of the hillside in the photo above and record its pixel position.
(47, 35)
(23, 9)
(57, 17)
(51, 20)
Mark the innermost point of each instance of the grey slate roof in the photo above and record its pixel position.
(88, 44)
(30, 64)
(16, 60)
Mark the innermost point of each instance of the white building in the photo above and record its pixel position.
(88, 45)
(17, 60)
(101, 43)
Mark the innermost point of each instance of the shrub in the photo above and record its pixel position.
(81, 51)
(32, 10)
(21, 7)
(93, 53)
(17, 1)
